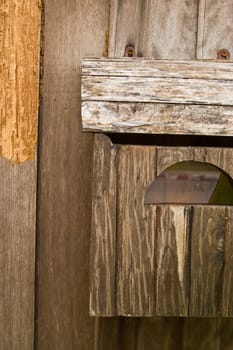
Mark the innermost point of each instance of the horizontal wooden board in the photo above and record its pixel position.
(157, 96)
(134, 67)
(159, 90)
(157, 118)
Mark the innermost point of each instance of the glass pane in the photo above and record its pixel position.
(191, 182)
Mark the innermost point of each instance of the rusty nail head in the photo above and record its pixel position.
(130, 51)
(223, 54)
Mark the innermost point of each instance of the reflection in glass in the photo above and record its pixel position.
(191, 182)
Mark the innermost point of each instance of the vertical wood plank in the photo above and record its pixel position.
(108, 332)
(157, 29)
(227, 297)
(207, 260)
(103, 236)
(17, 255)
(159, 333)
(19, 73)
(168, 156)
(73, 29)
(220, 157)
(172, 260)
(202, 334)
(214, 28)
(163, 34)
(214, 33)
(135, 232)
(226, 334)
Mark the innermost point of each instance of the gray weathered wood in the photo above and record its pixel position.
(73, 29)
(157, 68)
(103, 236)
(140, 22)
(154, 96)
(135, 232)
(157, 118)
(172, 260)
(214, 28)
(165, 89)
(207, 260)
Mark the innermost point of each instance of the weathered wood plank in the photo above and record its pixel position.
(225, 334)
(103, 236)
(135, 232)
(202, 334)
(158, 333)
(107, 333)
(140, 23)
(19, 73)
(157, 118)
(220, 157)
(167, 156)
(172, 260)
(161, 90)
(214, 28)
(73, 29)
(207, 260)
(180, 97)
(156, 68)
(17, 255)
(227, 297)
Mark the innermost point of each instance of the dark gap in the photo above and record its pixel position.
(171, 140)
(189, 254)
(40, 112)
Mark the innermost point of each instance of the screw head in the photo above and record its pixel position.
(130, 51)
(223, 54)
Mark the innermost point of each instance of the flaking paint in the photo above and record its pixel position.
(19, 76)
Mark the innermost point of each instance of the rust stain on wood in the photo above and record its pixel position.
(106, 44)
(19, 75)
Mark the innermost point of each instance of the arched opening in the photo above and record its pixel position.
(191, 182)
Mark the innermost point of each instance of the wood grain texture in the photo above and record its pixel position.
(108, 332)
(207, 260)
(225, 334)
(135, 232)
(19, 75)
(202, 333)
(156, 333)
(173, 260)
(168, 156)
(103, 236)
(19, 72)
(184, 90)
(154, 96)
(227, 299)
(159, 118)
(157, 68)
(140, 23)
(17, 255)
(64, 201)
(214, 28)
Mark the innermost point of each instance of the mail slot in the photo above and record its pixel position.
(162, 237)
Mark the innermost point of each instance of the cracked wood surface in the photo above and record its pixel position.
(154, 96)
